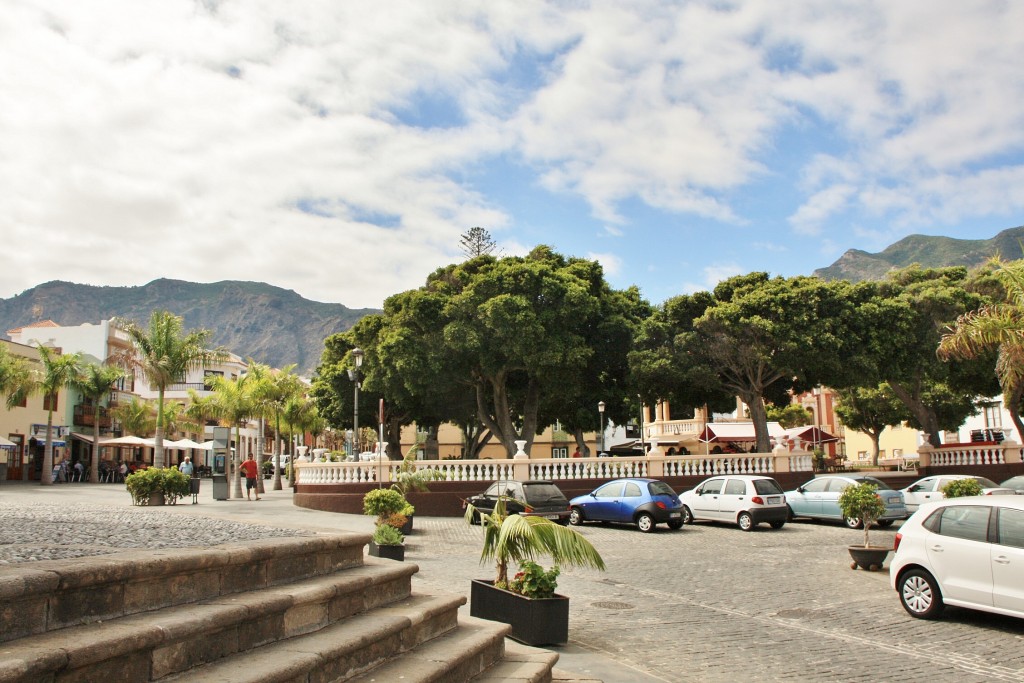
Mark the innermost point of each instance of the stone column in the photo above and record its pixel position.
(520, 465)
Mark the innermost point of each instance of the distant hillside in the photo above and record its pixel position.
(272, 325)
(931, 252)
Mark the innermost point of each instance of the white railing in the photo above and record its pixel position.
(560, 469)
(961, 455)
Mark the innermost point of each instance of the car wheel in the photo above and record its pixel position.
(645, 522)
(745, 521)
(920, 594)
(687, 515)
(575, 517)
(885, 523)
(853, 522)
(675, 524)
(777, 525)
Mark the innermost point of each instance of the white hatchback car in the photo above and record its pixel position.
(967, 552)
(742, 499)
(930, 489)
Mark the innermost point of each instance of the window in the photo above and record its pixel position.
(1011, 527)
(713, 486)
(613, 490)
(816, 485)
(767, 487)
(50, 402)
(560, 452)
(964, 521)
(632, 490)
(735, 487)
(993, 415)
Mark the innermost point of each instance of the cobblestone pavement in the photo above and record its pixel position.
(712, 603)
(707, 603)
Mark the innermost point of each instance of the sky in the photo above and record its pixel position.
(341, 149)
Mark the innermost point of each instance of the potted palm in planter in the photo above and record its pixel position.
(527, 602)
(388, 506)
(861, 501)
(408, 479)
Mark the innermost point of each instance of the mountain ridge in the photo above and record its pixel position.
(270, 324)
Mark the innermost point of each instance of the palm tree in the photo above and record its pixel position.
(164, 354)
(260, 386)
(15, 377)
(296, 414)
(200, 410)
(94, 383)
(136, 416)
(283, 386)
(234, 406)
(996, 326)
(60, 370)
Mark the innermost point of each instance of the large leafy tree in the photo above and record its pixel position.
(870, 410)
(902, 321)
(996, 326)
(754, 337)
(60, 370)
(163, 354)
(95, 382)
(235, 405)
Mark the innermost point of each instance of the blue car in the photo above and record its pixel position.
(644, 502)
(819, 499)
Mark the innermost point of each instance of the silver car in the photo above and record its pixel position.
(929, 489)
(819, 499)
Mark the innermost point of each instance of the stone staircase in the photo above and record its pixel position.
(302, 609)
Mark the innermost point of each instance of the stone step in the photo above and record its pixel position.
(341, 651)
(459, 656)
(45, 596)
(520, 664)
(151, 645)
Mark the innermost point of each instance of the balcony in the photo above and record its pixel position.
(84, 416)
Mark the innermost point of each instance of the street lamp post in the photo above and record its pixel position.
(353, 374)
(600, 410)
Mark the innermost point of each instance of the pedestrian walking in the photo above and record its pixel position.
(186, 467)
(251, 472)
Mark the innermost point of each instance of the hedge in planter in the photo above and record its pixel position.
(168, 482)
(387, 542)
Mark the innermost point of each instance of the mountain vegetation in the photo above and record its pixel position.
(929, 252)
(272, 325)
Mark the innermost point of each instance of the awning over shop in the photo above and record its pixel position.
(4, 443)
(810, 434)
(724, 432)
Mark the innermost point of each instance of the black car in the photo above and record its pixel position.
(539, 498)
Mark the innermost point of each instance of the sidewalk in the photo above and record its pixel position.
(276, 509)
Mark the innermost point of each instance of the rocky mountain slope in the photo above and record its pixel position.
(252, 319)
(932, 252)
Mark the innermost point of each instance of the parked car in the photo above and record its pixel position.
(1015, 483)
(537, 497)
(644, 502)
(930, 489)
(819, 499)
(742, 499)
(967, 552)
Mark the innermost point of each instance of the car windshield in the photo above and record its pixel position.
(767, 486)
(660, 488)
(539, 494)
(986, 483)
(879, 484)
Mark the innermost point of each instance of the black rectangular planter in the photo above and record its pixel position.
(389, 552)
(534, 622)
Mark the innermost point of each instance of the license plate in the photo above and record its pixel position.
(550, 516)
(774, 500)
(675, 514)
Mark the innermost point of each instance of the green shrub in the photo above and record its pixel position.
(862, 502)
(385, 534)
(383, 503)
(532, 581)
(960, 488)
(169, 481)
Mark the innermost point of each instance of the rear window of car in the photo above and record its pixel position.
(539, 494)
(960, 521)
(986, 483)
(660, 488)
(767, 487)
(881, 485)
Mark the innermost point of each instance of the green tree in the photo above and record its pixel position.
(60, 370)
(163, 354)
(870, 410)
(902, 322)
(235, 406)
(95, 382)
(136, 416)
(996, 326)
(789, 415)
(477, 242)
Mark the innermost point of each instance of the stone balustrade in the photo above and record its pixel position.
(655, 465)
(970, 454)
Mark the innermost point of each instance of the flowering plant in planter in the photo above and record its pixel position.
(533, 581)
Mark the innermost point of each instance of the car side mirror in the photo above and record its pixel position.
(699, 492)
(799, 489)
(913, 487)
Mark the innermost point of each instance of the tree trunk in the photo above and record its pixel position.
(1013, 404)
(924, 415)
(759, 416)
(94, 466)
(158, 438)
(259, 458)
(237, 476)
(581, 443)
(46, 476)
(875, 438)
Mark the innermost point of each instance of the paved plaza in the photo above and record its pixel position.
(706, 603)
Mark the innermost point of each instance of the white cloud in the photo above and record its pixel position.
(611, 263)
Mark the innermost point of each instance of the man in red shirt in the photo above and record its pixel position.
(251, 472)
